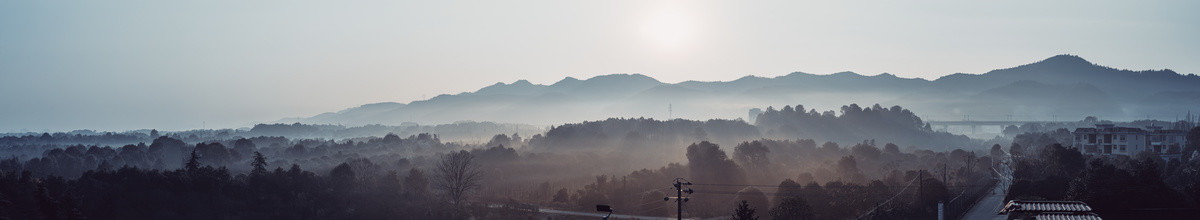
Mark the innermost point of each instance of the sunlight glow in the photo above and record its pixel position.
(669, 29)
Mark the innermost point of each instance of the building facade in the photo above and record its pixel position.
(1106, 139)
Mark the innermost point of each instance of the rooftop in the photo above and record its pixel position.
(1065, 216)
(1045, 206)
(1066, 210)
(1169, 132)
(1110, 129)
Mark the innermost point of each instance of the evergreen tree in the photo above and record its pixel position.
(193, 162)
(259, 163)
(744, 212)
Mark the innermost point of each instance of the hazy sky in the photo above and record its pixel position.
(119, 65)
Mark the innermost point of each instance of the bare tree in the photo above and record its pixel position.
(458, 174)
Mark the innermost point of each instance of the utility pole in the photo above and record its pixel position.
(921, 186)
(679, 199)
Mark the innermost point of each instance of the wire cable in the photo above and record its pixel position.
(889, 199)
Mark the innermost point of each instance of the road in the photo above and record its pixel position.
(989, 206)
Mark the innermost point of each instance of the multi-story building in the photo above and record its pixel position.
(1166, 141)
(1106, 139)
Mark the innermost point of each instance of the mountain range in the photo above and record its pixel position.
(1062, 87)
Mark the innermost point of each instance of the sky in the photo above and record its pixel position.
(175, 65)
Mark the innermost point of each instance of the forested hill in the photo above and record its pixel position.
(1081, 87)
(891, 125)
(853, 125)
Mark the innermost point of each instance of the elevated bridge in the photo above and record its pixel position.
(975, 125)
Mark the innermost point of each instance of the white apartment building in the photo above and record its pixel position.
(1106, 139)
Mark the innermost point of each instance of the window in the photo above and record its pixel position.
(1122, 147)
(1123, 138)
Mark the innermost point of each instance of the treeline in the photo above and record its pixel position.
(569, 167)
(458, 131)
(166, 153)
(894, 125)
(775, 176)
(204, 192)
(1119, 187)
(641, 133)
(19, 143)
(1091, 121)
(75, 137)
(777, 179)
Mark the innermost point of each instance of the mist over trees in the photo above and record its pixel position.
(458, 131)
(641, 133)
(792, 163)
(894, 124)
(458, 175)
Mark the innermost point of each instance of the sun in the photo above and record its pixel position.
(669, 29)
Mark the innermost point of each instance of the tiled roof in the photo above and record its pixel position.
(1169, 132)
(1123, 129)
(1065, 216)
(1045, 206)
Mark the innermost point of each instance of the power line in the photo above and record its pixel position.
(643, 196)
(773, 195)
(830, 187)
(777, 194)
(910, 182)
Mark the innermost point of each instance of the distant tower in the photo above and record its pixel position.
(670, 111)
(754, 112)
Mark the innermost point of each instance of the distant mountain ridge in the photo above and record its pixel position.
(1070, 69)
(1060, 86)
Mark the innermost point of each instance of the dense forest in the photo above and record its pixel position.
(895, 124)
(783, 167)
